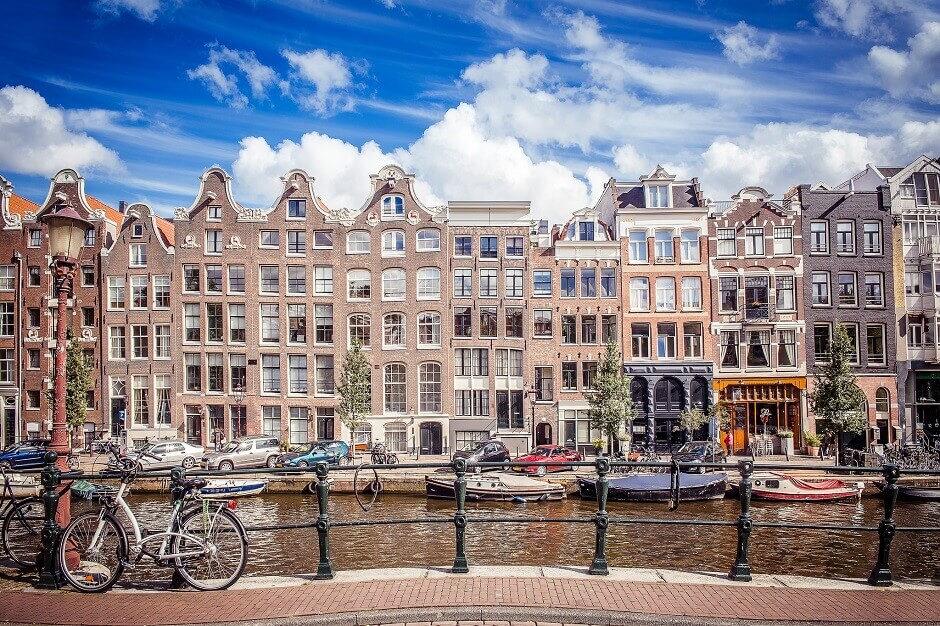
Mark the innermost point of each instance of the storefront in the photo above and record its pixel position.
(927, 403)
(763, 407)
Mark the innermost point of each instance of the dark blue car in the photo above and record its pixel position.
(26, 454)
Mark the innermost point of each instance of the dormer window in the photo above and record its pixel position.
(585, 231)
(297, 209)
(137, 231)
(214, 214)
(658, 196)
(393, 207)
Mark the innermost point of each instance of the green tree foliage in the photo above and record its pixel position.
(77, 383)
(691, 419)
(611, 404)
(354, 388)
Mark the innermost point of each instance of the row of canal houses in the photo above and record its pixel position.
(479, 320)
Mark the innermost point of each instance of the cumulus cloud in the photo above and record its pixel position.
(146, 10)
(323, 81)
(913, 73)
(743, 45)
(865, 19)
(36, 138)
(225, 87)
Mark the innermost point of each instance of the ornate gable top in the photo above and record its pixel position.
(658, 174)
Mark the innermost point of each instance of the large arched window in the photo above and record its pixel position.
(393, 243)
(393, 284)
(429, 239)
(395, 391)
(393, 206)
(396, 436)
(359, 284)
(363, 434)
(358, 242)
(429, 388)
(429, 328)
(429, 283)
(360, 328)
(882, 403)
(393, 330)
(698, 391)
(667, 397)
(638, 393)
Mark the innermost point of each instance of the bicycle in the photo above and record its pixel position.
(22, 522)
(381, 455)
(206, 543)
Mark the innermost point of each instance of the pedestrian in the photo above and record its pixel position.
(217, 439)
(222, 441)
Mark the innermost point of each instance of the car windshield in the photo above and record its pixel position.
(231, 446)
(541, 452)
(303, 448)
(473, 446)
(693, 447)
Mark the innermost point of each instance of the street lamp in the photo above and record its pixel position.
(533, 395)
(238, 394)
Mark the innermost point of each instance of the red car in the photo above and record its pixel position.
(546, 454)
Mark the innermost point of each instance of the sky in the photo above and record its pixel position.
(481, 99)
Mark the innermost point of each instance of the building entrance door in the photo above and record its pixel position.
(431, 439)
(543, 434)
(9, 425)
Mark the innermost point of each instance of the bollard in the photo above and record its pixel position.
(50, 576)
(460, 517)
(176, 474)
(881, 575)
(741, 570)
(325, 567)
(601, 519)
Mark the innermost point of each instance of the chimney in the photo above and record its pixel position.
(122, 206)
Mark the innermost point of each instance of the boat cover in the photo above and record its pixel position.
(823, 484)
(656, 482)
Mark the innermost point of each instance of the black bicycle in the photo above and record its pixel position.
(22, 517)
(382, 456)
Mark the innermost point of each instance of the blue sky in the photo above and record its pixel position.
(482, 99)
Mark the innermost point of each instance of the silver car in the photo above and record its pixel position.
(252, 451)
(171, 452)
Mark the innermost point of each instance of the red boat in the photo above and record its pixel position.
(783, 487)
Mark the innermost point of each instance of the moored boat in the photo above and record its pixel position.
(783, 487)
(915, 492)
(656, 487)
(233, 488)
(24, 486)
(89, 490)
(497, 486)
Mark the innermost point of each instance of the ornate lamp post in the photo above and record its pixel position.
(238, 394)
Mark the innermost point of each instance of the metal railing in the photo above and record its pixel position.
(740, 569)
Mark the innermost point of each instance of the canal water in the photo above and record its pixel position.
(773, 550)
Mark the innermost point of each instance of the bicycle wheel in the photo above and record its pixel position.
(92, 551)
(22, 531)
(220, 544)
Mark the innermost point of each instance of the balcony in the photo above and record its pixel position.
(928, 248)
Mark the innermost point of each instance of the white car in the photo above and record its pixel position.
(171, 452)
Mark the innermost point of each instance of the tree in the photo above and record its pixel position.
(77, 383)
(355, 390)
(611, 403)
(836, 397)
(691, 419)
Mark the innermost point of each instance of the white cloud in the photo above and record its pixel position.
(512, 69)
(36, 138)
(224, 87)
(629, 162)
(742, 44)
(146, 10)
(329, 74)
(388, 4)
(865, 19)
(913, 73)
(496, 7)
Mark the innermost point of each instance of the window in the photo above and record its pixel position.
(664, 247)
(819, 237)
(269, 239)
(569, 329)
(852, 331)
(638, 247)
(213, 214)
(393, 243)
(847, 293)
(270, 323)
(588, 374)
(726, 242)
(758, 348)
(271, 421)
(395, 388)
(691, 292)
(138, 255)
(271, 373)
(542, 322)
(471, 362)
(882, 400)
(463, 322)
(325, 381)
(567, 283)
(783, 240)
(689, 246)
(588, 283)
(138, 292)
(429, 329)
(871, 238)
(236, 323)
(514, 246)
(756, 297)
(429, 283)
(88, 277)
(569, 376)
(323, 240)
(359, 284)
(33, 317)
(140, 342)
(89, 238)
(297, 373)
(658, 196)
(117, 342)
(665, 293)
(393, 284)
(926, 189)
(115, 292)
(874, 290)
(514, 283)
(509, 363)
(140, 390)
(666, 340)
(161, 341)
(544, 384)
(875, 342)
(463, 282)
(541, 282)
(786, 348)
(429, 388)
(33, 359)
(692, 339)
(589, 329)
(786, 294)
(639, 294)
(161, 292)
(753, 241)
(608, 282)
(297, 323)
(297, 279)
(213, 242)
(915, 332)
(323, 323)
(640, 340)
(820, 288)
(585, 231)
(907, 188)
(216, 372)
(463, 245)
(214, 278)
(214, 322)
(821, 342)
(608, 328)
(236, 279)
(270, 281)
(729, 349)
(192, 322)
(360, 329)
(193, 364)
(513, 322)
(472, 403)
(489, 283)
(297, 208)
(488, 321)
(393, 207)
(429, 239)
(33, 399)
(35, 237)
(88, 316)
(322, 281)
(296, 242)
(845, 237)
(393, 330)
(489, 247)
(358, 242)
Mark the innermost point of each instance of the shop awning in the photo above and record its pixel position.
(723, 383)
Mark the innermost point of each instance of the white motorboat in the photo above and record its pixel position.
(500, 486)
(24, 486)
(233, 488)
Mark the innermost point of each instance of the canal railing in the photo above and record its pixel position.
(740, 569)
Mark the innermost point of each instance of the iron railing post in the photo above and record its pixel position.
(325, 567)
(50, 575)
(601, 520)
(741, 570)
(881, 574)
(460, 517)
(177, 474)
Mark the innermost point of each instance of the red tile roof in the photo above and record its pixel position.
(112, 214)
(167, 229)
(20, 205)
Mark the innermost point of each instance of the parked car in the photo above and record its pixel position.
(699, 452)
(244, 452)
(333, 452)
(491, 451)
(171, 452)
(26, 454)
(543, 454)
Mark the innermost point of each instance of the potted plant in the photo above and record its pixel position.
(598, 446)
(786, 440)
(813, 441)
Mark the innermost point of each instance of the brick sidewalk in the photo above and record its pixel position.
(327, 598)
